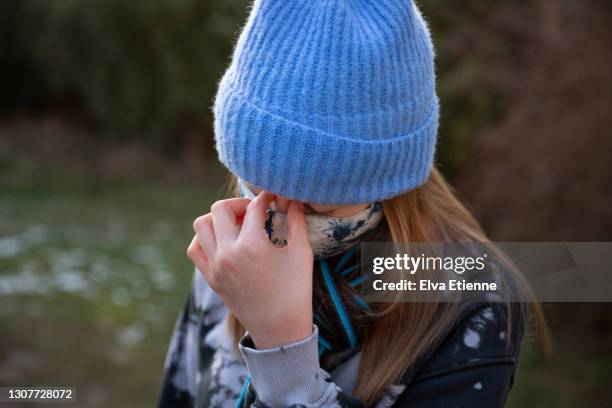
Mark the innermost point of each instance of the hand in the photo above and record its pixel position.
(268, 289)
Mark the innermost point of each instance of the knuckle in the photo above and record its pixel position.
(199, 222)
(193, 250)
(217, 205)
(224, 259)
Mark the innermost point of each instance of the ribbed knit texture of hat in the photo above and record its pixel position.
(330, 101)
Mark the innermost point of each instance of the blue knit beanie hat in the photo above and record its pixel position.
(330, 101)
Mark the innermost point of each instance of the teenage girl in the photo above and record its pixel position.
(327, 119)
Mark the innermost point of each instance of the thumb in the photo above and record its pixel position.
(297, 227)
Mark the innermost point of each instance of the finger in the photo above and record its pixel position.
(197, 254)
(281, 204)
(297, 227)
(225, 216)
(206, 235)
(255, 217)
(202, 264)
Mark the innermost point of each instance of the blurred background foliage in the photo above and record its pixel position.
(143, 69)
(148, 70)
(106, 155)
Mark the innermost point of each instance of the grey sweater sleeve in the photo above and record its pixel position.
(288, 375)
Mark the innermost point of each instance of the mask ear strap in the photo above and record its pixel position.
(244, 190)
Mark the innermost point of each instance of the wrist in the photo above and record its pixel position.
(266, 338)
(289, 375)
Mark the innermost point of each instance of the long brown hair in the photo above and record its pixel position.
(429, 213)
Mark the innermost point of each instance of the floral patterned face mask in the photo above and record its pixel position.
(328, 236)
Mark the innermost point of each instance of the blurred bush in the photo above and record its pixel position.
(148, 69)
(142, 69)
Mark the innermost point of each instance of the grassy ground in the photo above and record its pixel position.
(90, 285)
(91, 282)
